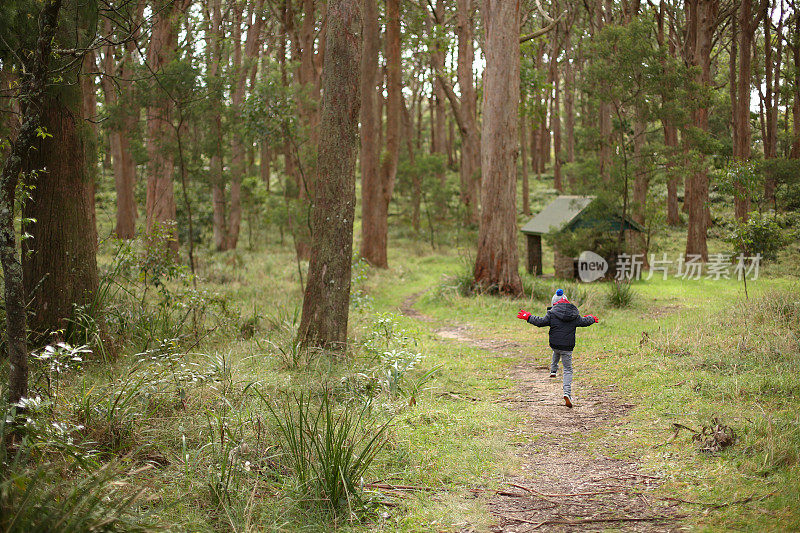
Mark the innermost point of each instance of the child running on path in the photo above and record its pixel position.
(563, 318)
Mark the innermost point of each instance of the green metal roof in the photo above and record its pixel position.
(557, 214)
(565, 210)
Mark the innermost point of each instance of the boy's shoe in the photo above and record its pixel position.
(568, 401)
(552, 374)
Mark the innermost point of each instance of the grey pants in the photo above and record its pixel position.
(566, 359)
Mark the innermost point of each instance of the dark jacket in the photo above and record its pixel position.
(562, 318)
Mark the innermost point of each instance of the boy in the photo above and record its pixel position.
(563, 318)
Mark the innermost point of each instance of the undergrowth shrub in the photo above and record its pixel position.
(328, 449)
(763, 233)
(36, 496)
(620, 293)
(146, 296)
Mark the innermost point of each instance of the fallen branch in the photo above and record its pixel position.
(564, 495)
(518, 519)
(596, 520)
(629, 476)
(677, 427)
(387, 486)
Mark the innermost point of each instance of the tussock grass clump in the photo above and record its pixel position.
(620, 294)
(329, 450)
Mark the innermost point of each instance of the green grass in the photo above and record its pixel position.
(206, 454)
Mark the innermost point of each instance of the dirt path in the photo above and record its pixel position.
(563, 485)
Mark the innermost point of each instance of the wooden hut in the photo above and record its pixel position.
(563, 213)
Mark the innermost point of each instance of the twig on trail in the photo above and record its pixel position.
(565, 495)
(629, 476)
(749, 499)
(677, 427)
(518, 519)
(595, 520)
(545, 497)
(387, 486)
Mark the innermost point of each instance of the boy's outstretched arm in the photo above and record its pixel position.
(539, 321)
(587, 320)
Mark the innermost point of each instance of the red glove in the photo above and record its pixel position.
(596, 320)
(523, 315)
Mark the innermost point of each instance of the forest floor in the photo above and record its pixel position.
(562, 485)
(477, 436)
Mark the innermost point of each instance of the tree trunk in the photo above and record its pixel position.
(670, 131)
(263, 164)
(641, 178)
(439, 145)
(471, 143)
(160, 205)
(569, 111)
(555, 124)
(90, 133)
(58, 261)
(523, 143)
(604, 108)
(326, 301)
(34, 88)
(772, 71)
(118, 137)
(701, 19)
(741, 105)
(370, 124)
(496, 264)
(673, 178)
(377, 193)
(795, 152)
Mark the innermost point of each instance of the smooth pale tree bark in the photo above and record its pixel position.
(326, 302)
(496, 263)
(376, 194)
(33, 93)
(160, 207)
(701, 21)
